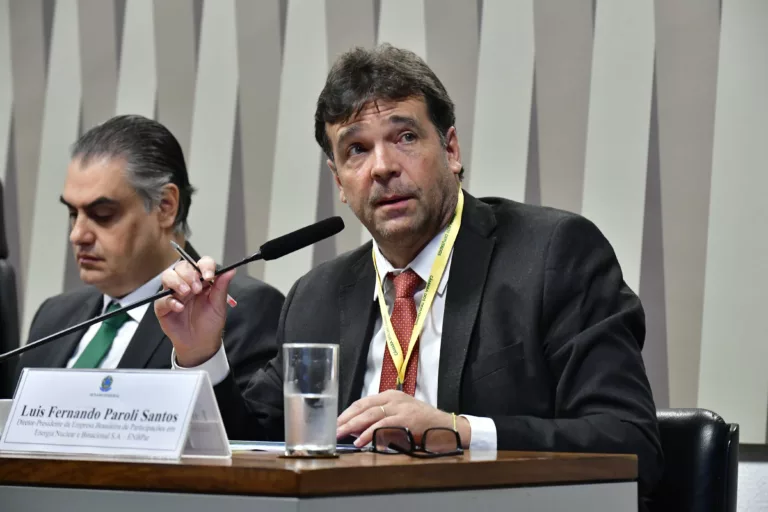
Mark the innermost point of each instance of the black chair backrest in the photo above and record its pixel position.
(9, 313)
(701, 454)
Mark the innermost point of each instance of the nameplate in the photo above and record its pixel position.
(125, 414)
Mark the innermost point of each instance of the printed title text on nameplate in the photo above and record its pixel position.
(119, 412)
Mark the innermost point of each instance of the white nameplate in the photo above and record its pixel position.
(146, 414)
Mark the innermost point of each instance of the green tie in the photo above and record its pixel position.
(99, 346)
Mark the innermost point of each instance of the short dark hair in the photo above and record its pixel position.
(153, 158)
(361, 76)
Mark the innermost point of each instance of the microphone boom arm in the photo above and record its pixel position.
(101, 318)
(272, 249)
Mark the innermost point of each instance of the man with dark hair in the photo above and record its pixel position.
(526, 337)
(128, 195)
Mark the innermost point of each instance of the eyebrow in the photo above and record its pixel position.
(405, 120)
(351, 131)
(97, 202)
(347, 133)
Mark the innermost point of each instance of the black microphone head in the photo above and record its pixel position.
(301, 238)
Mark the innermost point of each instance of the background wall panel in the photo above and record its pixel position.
(60, 127)
(733, 337)
(503, 100)
(295, 176)
(618, 127)
(648, 117)
(687, 39)
(29, 46)
(213, 125)
(260, 40)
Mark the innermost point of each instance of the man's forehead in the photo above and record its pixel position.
(97, 167)
(388, 110)
(96, 177)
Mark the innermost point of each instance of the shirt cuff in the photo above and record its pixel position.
(483, 433)
(217, 366)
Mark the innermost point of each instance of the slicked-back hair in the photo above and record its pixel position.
(153, 159)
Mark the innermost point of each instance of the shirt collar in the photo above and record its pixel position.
(142, 292)
(421, 264)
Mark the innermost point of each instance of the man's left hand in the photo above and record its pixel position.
(395, 409)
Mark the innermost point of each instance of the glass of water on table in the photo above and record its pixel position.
(310, 398)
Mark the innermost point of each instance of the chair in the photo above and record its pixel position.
(9, 313)
(701, 453)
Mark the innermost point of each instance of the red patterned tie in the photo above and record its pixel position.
(403, 319)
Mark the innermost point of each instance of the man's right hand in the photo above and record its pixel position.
(193, 317)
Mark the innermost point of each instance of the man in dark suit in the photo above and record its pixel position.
(532, 337)
(128, 195)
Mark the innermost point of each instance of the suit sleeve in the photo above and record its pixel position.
(593, 329)
(250, 331)
(35, 326)
(257, 412)
(14, 366)
(37, 330)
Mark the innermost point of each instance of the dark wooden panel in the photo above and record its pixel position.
(268, 474)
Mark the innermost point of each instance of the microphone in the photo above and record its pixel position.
(273, 249)
(301, 238)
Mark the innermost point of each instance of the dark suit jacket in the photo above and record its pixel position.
(249, 334)
(540, 333)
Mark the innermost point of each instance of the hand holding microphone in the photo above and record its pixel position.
(193, 316)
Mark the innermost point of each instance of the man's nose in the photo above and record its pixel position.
(81, 234)
(385, 163)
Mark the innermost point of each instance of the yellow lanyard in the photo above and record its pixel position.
(436, 273)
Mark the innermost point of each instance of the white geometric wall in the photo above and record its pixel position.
(650, 118)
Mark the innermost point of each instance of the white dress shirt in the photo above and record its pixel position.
(483, 429)
(126, 331)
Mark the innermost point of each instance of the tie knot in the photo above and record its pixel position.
(119, 319)
(406, 283)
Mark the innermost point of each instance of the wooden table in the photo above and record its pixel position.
(251, 481)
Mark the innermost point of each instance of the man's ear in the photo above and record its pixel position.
(452, 150)
(332, 167)
(169, 205)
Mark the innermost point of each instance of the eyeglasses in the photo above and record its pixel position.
(435, 442)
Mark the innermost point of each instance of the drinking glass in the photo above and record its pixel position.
(310, 398)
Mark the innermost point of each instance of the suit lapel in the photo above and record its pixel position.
(91, 307)
(466, 282)
(144, 343)
(356, 327)
(148, 335)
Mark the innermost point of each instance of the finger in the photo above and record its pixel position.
(353, 410)
(367, 435)
(188, 273)
(218, 293)
(363, 420)
(207, 266)
(166, 305)
(171, 279)
(349, 413)
(361, 405)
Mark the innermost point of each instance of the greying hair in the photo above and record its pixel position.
(153, 159)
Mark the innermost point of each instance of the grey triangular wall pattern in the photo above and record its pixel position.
(647, 117)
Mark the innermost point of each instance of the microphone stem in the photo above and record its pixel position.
(249, 259)
(101, 318)
(83, 325)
